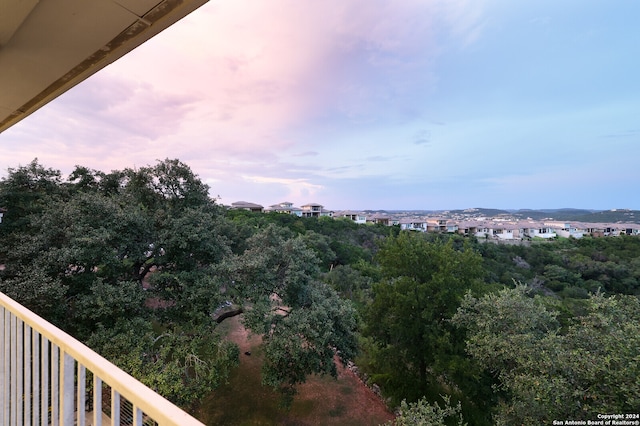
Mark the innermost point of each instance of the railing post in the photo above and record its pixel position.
(44, 394)
(55, 385)
(19, 403)
(82, 394)
(4, 371)
(13, 412)
(115, 407)
(137, 416)
(27, 363)
(97, 400)
(35, 350)
(67, 364)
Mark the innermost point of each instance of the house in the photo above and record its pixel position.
(566, 230)
(538, 230)
(315, 210)
(468, 228)
(351, 215)
(285, 207)
(413, 224)
(2, 212)
(594, 229)
(507, 231)
(244, 205)
(379, 219)
(451, 227)
(630, 228)
(436, 225)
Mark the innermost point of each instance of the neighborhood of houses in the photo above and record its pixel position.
(494, 228)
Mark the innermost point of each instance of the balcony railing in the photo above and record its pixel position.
(49, 378)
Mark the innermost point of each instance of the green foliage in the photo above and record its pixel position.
(550, 372)
(422, 413)
(303, 321)
(139, 262)
(25, 192)
(350, 283)
(580, 266)
(414, 350)
(183, 365)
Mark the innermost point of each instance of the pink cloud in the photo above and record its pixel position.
(223, 89)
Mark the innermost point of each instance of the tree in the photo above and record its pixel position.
(138, 262)
(183, 363)
(415, 349)
(304, 323)
(25, 192)
(547, 371)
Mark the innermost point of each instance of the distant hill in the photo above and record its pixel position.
(580, 215)
(556, 214)
(564, 214)
(480, 211)
(630, 216)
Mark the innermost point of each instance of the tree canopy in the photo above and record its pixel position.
(139, 263)
(547, 371)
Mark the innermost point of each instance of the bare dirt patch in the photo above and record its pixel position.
(321, 401)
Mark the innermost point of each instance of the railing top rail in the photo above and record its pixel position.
(160, 409)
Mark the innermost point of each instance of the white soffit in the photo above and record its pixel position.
(49, 46)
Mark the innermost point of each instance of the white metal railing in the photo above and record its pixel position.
(44, 374)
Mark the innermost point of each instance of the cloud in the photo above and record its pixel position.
(254, 94)
(306, 154)
(623, 134)
(423, 137)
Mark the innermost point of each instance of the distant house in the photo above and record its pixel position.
(2, 212)
(354, 216)
(244, 205)
(315, 210)
(285, 207)
(566, 230)
(507, 231)
(379, 219)
(436, 225)
(594, 229)
(630, 228)
(538, 230)
(413, 224)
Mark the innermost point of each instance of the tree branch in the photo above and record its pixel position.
(223, 316)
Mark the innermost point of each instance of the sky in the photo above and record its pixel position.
(369, 104)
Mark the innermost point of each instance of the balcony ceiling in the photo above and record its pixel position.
(49, 46)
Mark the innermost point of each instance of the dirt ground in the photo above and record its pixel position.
(320, 401)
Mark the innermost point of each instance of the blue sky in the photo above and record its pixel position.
(370, 104)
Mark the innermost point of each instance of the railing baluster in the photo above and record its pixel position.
(55, 385)
(97, 400)
(44, 400)
(82, 390)
(20, 371)
(115, 407)
(67, 391)
(36, 376)
(137, 416)
(27, 374)
(14, 372)
(4, 367)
